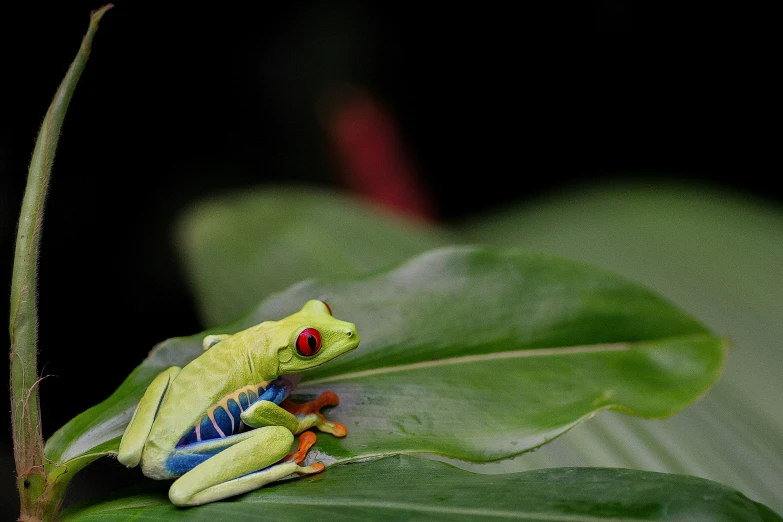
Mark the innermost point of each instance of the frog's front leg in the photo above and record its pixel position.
(135, 435)
(296, 417)
(253, 459)
(327, 398)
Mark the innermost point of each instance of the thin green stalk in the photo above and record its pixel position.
(38, 499)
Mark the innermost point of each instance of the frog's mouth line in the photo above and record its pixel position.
(295, 378)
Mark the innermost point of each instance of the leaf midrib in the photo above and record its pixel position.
(465, 359)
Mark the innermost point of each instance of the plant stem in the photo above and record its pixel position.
(37, 497)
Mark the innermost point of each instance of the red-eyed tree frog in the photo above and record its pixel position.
(223, 423)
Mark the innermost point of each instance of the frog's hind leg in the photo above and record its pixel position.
(245, 466)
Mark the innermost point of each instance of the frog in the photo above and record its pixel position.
(225, 424)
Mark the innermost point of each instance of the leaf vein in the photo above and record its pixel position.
(515, 354)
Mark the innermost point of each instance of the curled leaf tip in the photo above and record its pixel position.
(96, 15)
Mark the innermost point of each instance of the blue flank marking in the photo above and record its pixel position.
(233, 408)
(223, 421)
(243, 401)
(208, 430)
(276, 392)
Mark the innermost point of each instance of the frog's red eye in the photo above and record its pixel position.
(308, 342)
(328, 308)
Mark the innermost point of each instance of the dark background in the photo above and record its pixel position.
(496, 106)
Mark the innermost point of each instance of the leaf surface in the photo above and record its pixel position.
(407, 488)
(714, 253)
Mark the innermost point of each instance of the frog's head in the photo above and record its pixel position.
(316, 338)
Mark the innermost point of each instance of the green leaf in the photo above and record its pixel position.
(714, 253)
(470, 353)
(405, 488)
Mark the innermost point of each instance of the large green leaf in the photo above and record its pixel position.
(405, 488)
(469, 353)
(716, 254)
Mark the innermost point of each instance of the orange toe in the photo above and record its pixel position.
(339, 430)
(327, 398)
(306, 441)
(317, 466)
